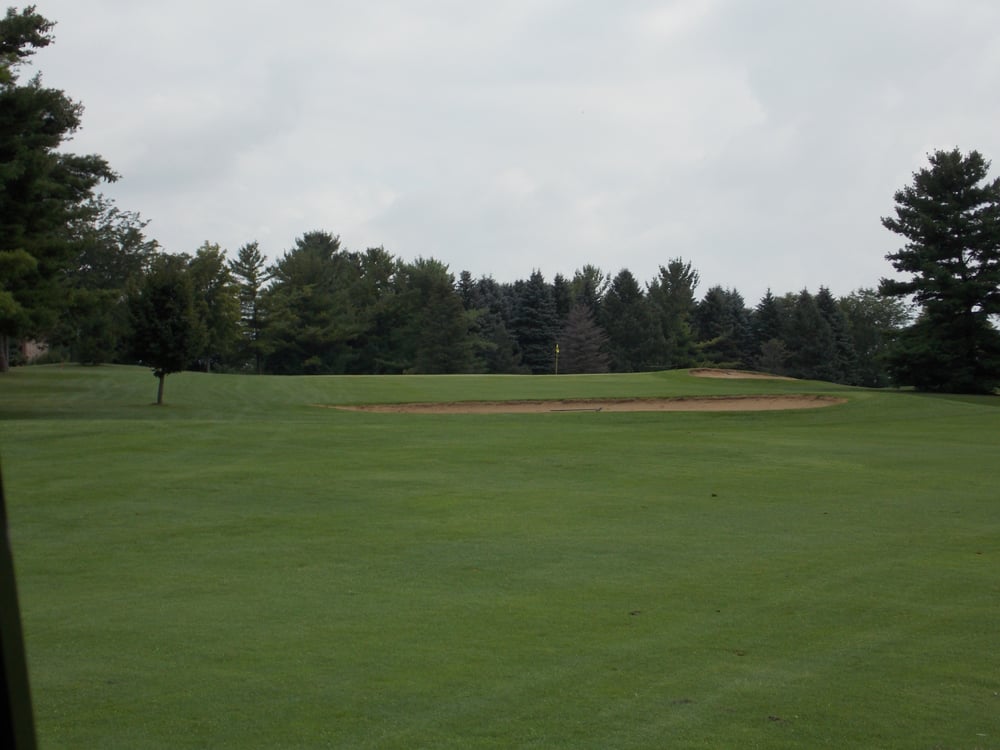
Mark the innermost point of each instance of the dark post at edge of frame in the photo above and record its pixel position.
(17, 726)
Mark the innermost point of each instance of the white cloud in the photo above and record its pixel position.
(761, 141)
(667, 21)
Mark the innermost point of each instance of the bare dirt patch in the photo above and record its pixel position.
(720, 403)
(711, 372)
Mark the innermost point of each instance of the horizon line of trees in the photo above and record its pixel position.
(323, 309)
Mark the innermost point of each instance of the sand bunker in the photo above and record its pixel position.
(684, 403)
(720, 403)
(711, 372)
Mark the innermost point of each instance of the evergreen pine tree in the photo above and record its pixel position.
(950, 218)
(249, 271)
(671, 295)
(628, 319)
(811, 348)
(843, 367)
(582, 343)
(44, 191)
(535, 324)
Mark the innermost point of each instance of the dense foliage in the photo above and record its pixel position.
(323, 309)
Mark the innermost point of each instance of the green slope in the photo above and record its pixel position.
(242, 569)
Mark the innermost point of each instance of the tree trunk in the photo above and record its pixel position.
(4, 352)
(161, 376)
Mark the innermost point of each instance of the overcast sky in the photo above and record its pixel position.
(761, 140)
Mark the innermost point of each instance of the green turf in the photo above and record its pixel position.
(242, 569)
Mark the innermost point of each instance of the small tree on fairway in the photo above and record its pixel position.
(166, 331)
(950, 217)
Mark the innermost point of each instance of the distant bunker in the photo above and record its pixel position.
(681, 403)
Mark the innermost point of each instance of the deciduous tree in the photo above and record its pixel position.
(872, 322)
(166, 331)
(216, 301)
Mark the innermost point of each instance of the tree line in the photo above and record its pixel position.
(80, 273)
(323, 309)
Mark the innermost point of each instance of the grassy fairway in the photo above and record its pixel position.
(241, 569)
